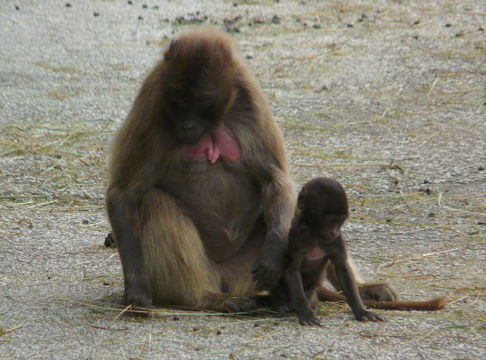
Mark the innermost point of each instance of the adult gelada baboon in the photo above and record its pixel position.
(199, 192)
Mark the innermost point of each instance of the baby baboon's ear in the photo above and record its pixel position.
(301, 198)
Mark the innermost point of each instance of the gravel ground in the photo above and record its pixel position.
(389, 97)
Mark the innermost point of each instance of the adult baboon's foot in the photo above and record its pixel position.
(230, 304)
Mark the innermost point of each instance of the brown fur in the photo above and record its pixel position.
(317, 250)
(189, 232)
(324, 294)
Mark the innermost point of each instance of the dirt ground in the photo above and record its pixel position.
(389, 97)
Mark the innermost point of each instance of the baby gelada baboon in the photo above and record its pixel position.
(315, 238)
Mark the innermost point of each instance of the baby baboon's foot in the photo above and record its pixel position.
(369, 316)
(377, 291)
(308, 318)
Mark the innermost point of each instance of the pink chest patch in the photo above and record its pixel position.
(218, 143)
(315, 253)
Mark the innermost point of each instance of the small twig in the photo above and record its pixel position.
(98, 327)
(3, 332)
(462, 210)
(457, 300)
(149, 347)
(419, 257)
(148, 344)
(433, 85)
(423, 336)
(325, 351)
(82, 263)
(184, 310)
(108, 328)
(456, 209)
(12, 203)
(109, 257)
(122, 312)
(261, 336)
(307, 165)
(336, 164)
(404, 199)
(395, 257)
(43, 204)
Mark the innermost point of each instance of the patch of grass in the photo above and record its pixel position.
(329, 309)
(120, 67)
(57, 68)
(56, 168)
(255, 2)
(58, 94)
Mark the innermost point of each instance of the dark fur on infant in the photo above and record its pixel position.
(315, 243)
(315, 238)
